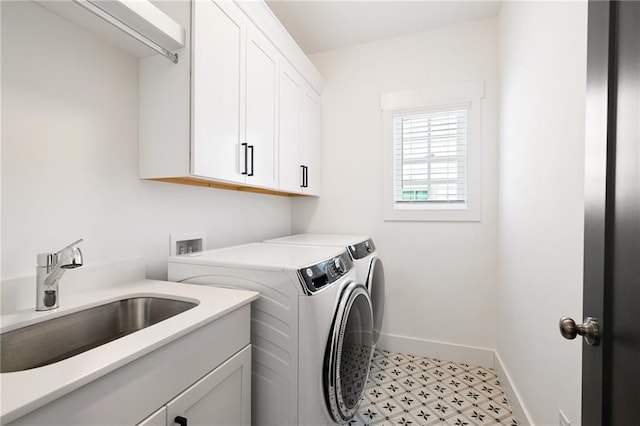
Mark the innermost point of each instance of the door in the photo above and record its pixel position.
(349, 352)
(222, 397)
(310, 142)
(290, 175)
(217, 90)
(159, 418)
(299, 142)
(611, 371)
(261, 84)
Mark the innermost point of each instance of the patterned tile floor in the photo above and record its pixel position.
(409, 390)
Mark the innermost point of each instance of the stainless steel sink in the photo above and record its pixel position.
(60, 338)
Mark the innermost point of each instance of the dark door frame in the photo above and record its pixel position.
(612, 224)
(596, 155)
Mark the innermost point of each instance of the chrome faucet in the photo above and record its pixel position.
(51, 267)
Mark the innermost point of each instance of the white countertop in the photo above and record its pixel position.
(24, 391)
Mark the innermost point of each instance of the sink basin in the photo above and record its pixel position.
(60, 338)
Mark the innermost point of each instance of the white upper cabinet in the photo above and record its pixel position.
(290, 96)
(299, 144)
(233, 98)
(226, 115)
(310, 141)
(217, 90)
(261, 97)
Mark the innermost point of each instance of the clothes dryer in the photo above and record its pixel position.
(311, 328)
(368, 265)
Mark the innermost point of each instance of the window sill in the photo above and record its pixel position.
(433, 215)
(428, 207)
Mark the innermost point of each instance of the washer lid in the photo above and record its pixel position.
(320, 239)
(262, 256)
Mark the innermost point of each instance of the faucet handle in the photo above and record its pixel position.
(70, 245)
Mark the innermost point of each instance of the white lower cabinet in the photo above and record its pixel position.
(203, 376)
(159, 418)
(222, 397)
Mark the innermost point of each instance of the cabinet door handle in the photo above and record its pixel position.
(246, 159)
(182, 421)
(251, 148)
(306, 176)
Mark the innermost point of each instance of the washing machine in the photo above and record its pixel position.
(311, 328)
(369, 269)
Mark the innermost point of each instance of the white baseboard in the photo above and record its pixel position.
(439, 350)
(482, 357)
(519, 410)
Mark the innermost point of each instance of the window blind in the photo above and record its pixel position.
(430, 156)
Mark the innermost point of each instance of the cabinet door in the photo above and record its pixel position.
(261, 83)
(290, 97)
(159, 418)
(217, 90)
(223, 397)
(310, 141)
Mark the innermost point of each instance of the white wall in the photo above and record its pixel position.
(69, 169)
(441, 277)
(70, 157)
(542, 85)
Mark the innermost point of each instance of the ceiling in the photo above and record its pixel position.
(318, 26)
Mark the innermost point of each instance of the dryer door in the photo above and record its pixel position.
(375, 285)
(349, 353)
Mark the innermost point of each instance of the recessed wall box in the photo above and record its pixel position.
(185, 244)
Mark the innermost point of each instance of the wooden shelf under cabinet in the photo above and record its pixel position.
(188, 180)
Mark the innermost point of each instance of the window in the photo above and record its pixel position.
(430, 157)
(432, 153)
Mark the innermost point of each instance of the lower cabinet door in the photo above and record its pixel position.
(159, 418)
(222, 397)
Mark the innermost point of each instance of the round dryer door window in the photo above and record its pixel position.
(349, 353)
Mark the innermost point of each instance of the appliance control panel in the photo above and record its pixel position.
(326, 272)
(362, 249)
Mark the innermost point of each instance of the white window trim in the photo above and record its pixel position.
(433, 98)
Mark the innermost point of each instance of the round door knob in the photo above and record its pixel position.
(590, 330)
